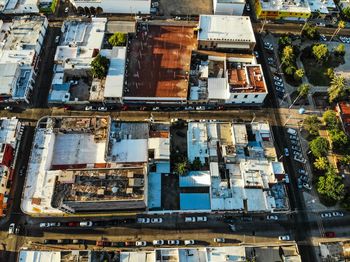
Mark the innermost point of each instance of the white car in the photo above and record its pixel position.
(219, 240)
(286, 152)
(66, 10)
(102, 108)
(276, 78)
(57, 39)
(307, 186)
(140, 243)
(173, 242)
(286, 178)
(12, 228)
(189, 242)
(202, 219)
(272, 217)
(190, 219)
(326, 215)
(279, 84)
(86, 224)
(156, 220)
(143, 220)
(158, 242)
(337, 214)
(284, 238)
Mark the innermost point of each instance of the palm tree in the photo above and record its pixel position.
(337, 88)
(341, 25)
(303, 90)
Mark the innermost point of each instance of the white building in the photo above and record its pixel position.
(116, 6)
(234, 33)
(323, 7)
(227, 79)
(21, 43)
(228, 7)
(19, 6)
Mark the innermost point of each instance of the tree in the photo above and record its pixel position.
(312, 124)
(284, 41)
(341, 24)
(340, 50)
(330, 118)
(196, 164)
(310, 32)
(329, 72)
(99, 66)
(320, 51)
(288, 55)
(117, 39)
(346, 12)
(330, 185)
(303, 89)
(298, 74)
(289, 70)
(345, 160)
(319, 146)
(181, 167)
(321, 163)
(337, 89)
(339, 139)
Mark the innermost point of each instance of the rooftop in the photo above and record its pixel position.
(158, 62)
(344, 111)
(286, 5)
(225, 28)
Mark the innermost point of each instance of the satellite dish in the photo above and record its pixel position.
(114, 189)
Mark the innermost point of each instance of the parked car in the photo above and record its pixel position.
(256, 54)
(189, 242)
(66, 10)
(90, 108)
(323, 38)
(130, 243)
(173, 242)
(286, 151)
(326, 215)
(219, 240)
(294, 142)
(293, 137)
(102, 108)
(190, 219)
(50, 241)
(280, 89)
(291, 131)
(202, 219)
(286, 178)
(277, 78)
(280, 84)
(272, 217)
(337, 214)
(57, 39)
(63, 241)
(157, 220)
(49, 224)
(158, 242)
(300, 159)
(321, 24)
(143, 220)
(78, 241)
(86, 224)
(12, 228)
(296, 148)
(329, 234)
(304, 178)
(140, 243)
(103, 243)
(284, 238)
(73, 224)
(300, 183)
(301, 171)
(117, 244)
(307, 186)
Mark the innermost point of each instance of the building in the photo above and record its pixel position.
(228, 7)
(113, 6)
(226, 33)
(298, 10)
(334, 251)
(22, 41)
(323, 8)
(158, 64)
(79, 44)
(92, 164)
(287, 252)
(19, 6)
(218, 78)
(344, 4)
(343, 109)
(9, 141)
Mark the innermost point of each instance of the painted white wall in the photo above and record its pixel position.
(228, 8)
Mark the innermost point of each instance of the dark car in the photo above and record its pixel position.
(103, 243)
(118, 244)
(329, 234)
(63, 241)
(50, 241)
(73, 224)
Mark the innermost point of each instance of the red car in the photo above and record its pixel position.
(73, 224)
(103, 243)
(329, 234)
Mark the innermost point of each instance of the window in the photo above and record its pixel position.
(235, 96)
(256, 96)
(245, 96)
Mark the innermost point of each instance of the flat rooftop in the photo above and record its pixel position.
(158, 61)
(225, 28)
(286, 5)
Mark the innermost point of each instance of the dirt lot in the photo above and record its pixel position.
(185, 7)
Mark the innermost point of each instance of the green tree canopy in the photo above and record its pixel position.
(340, 49)
(330, 73)
(339, 139)
(196, 164)
(284, 41)
(303, 89)
(312, 124)
(346, 12)
(298, 74)
(117, 39)
(330, 118)
(337, 89)
(310, 32)
(321, 163)
(181, 167)
(319, 146)
(345, 160)
(288, 55)
(320, 52)
(330, 185)
(99, 66)
(289, 70)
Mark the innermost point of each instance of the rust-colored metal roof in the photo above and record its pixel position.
(158, 61)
